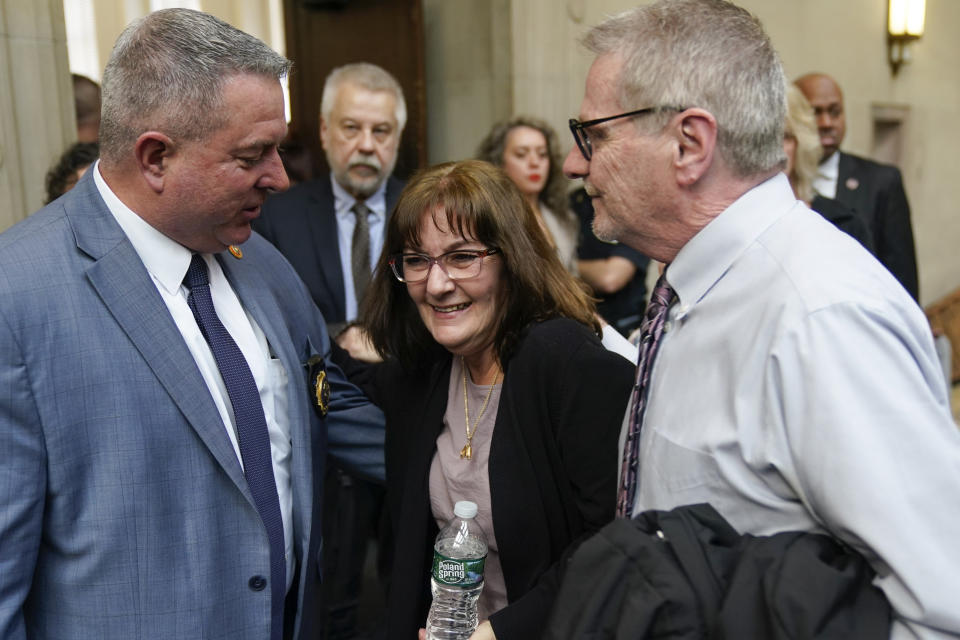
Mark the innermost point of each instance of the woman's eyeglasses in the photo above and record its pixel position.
(460, 264)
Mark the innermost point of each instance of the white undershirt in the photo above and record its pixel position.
(167, 262)
(825, 182)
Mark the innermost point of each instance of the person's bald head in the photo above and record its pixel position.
(826, 98)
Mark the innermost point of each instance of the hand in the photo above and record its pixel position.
(484, 632)
(357, 343)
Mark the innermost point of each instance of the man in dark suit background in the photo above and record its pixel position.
(165, 414)
(332, 231)
(875, 191)
(319, 225)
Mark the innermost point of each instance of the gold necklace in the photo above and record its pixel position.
(467, 451)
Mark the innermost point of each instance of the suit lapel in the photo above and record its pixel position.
(852, 191)
(129, 294)
(848, 182)
(137, 307)
(322, 222)
(392, 194)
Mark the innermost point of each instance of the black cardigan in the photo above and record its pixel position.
(553, 466)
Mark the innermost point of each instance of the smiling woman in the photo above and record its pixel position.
(528, 152)
(496, 390)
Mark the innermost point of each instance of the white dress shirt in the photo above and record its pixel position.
(167, 262)
(346, 221)
(565, 237)
(614, 341)
(825, 182)
(796, 388)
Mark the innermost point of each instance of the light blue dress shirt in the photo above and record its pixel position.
(796, 387)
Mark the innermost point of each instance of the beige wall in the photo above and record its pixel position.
(846, 39)
(36, 102)
(469, 73)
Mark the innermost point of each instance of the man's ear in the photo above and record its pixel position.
(324, 132)
(153, 151)
(696, 136)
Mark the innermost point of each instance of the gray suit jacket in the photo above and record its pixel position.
(124, 512)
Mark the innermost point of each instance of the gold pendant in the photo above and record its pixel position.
(466, 452)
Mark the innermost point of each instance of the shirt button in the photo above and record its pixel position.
(257, 583)
(667, 326)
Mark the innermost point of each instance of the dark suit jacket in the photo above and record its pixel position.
(125, 512)
(875, 191)
(686, 574)
(302, 224)
(553, 467)
(844, 218)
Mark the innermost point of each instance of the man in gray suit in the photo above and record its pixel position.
(165, 407)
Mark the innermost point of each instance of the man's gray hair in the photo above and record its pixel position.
(702, 53)
(370, 77)
(166, 73)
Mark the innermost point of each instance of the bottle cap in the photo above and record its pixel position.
(465, 509)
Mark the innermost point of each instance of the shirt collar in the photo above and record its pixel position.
(830, 168)
(165, 259)
(343, 201)
(703, 260)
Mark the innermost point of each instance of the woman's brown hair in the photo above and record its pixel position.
(554, 194)
(481, 204)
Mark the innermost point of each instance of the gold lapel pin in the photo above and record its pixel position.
(235, 251)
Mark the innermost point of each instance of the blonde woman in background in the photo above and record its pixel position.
(801, 143)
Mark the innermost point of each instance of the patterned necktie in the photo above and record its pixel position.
(360, 251)
(650, 331)
(252, 433)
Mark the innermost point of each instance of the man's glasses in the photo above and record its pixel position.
(460, 264)
(579, 129)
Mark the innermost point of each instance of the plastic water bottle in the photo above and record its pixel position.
(457, 577)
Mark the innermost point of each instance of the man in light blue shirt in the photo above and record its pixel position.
(795, 386)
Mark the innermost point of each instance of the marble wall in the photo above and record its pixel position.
(36, 102)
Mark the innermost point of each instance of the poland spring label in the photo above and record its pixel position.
(458, 572)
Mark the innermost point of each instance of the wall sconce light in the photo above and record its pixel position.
(904, 25)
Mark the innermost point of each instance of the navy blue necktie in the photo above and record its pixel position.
(252, 433)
